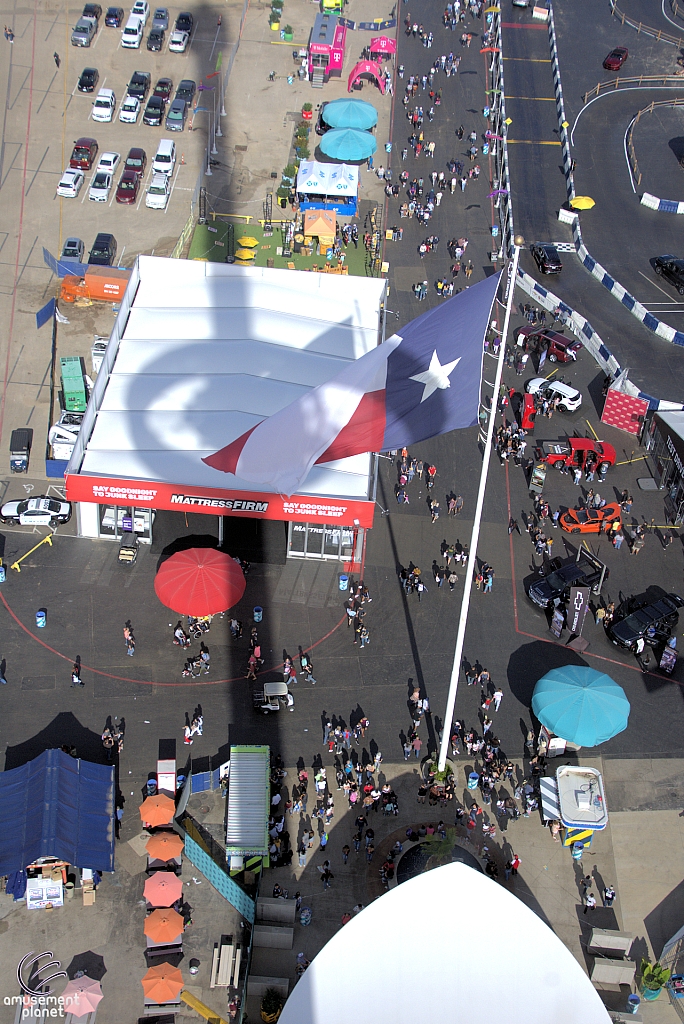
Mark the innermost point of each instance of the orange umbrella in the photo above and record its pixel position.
(164, 846)
(82, 995)
(162, 889)
(163, 926)
(162, 983)
(157, 810)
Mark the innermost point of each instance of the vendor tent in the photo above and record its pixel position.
(319, 179)
(366, 67)
(320, 224)
(57, 806)
(350, 113)
(383, 45)
(348, 144)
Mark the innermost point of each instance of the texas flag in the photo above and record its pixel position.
(417, 384)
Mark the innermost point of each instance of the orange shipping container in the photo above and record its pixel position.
(103, 284)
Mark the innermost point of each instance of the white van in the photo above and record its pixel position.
(165, 157)
(131, 37)
(104, 105)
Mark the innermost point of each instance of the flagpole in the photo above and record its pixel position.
(475, 535)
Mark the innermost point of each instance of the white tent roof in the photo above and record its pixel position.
(208, 351)
(450, 946)
(327, 179)
(249, 795)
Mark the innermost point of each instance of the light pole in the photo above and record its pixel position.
(475, 535)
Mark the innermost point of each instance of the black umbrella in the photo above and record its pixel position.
(88, 963)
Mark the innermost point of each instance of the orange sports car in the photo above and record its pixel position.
(591, 520)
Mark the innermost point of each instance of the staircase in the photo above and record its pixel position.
(317, 78)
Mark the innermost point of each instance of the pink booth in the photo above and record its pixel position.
(382, 47)
(366, 67)
(326, 47)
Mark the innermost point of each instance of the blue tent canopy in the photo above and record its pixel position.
(57, 806)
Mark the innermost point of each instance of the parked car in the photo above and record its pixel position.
(651, 616)
(158, 192)
(100, 187)
(547, 259)
(93, 11)
(39, 511)
(73, 250)
(88, 80)
(178, 42)
(321, 126)
(108, 162)
(544, 587)
(591, 520)
(132, 35)
(141, 9)
(114, 17)
(186, 90)
(570, 398)
(672, 269)
(127, 189)
(103, 252)
(175, 116)
(165, 157)
(573, 451)
(559, 348)
(184, 22)
(70, 183)
(616, 58)
(130, 108)
(163, 88)
(155, 40)
(139, 84)
(83, 32)
(104, 106)
(83, 154)
(154, 111)
(136, 161)
(160, 18)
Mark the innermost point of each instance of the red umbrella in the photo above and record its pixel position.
(199, 581)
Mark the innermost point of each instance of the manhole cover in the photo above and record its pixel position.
(204, 809)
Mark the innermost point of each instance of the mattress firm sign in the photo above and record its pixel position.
(210, 501)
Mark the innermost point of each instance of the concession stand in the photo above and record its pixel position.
(326, 46)
(332, 187)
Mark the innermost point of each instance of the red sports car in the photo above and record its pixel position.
(616, 58)
(591, 520)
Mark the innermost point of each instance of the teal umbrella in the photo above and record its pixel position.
(580, 705)
(348, 144)
(350, 113)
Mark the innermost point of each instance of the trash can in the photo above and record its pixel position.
(41, 618)
(194, 965)
(577, 851)
(258, 614)
(633, 1002)
(2, 573)
(305, 916)
(344, 581)
(151, 787)
(69, 890)
(473, 780)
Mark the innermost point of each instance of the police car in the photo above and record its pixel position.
(40, 511)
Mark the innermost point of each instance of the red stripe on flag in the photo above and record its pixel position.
(226, 459)
(365, 431)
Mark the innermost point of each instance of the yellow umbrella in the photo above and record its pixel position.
(582, 203)
(492, 10)
(243, 263)
(248, 241)
(245, 254)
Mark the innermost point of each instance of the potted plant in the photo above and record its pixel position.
(307, 109)
(432, 772)
(289, 173)
(271, 1005)
(274, 18)
(283, 195)
(302, 151)
(653, 979)
(288, 34)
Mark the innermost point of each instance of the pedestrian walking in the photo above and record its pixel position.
(345, 853)
(608, 896)
(75, 675)
(326, 877)
(130, 646)
(205, 659)
(417, 744)
(590, 902)
(324, 841)
(56, 59)
(408, 746)
(497, 697)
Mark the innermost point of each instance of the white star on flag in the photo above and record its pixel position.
(436, 375)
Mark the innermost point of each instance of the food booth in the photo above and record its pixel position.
(326, 46)
(332, 187)
(319, 229)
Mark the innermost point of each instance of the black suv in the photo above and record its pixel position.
(103, 252)
(547, 259)
(93, 11)
(671, 269)
(586, 571)
(155, 40)
(186, 90)
(651, 616)
(139, 85)
(88, 80)
(184, 22)
(154, 111)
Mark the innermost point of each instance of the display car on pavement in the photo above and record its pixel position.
(39, 511)
(544, 588)
(547, 259)
(616, 58)
(559, 348)
(651, 616)
(591, 520)
(672, 269)
(574, 451)
(570, 398)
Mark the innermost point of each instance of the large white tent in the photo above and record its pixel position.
(322, 179)
(450, 945)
